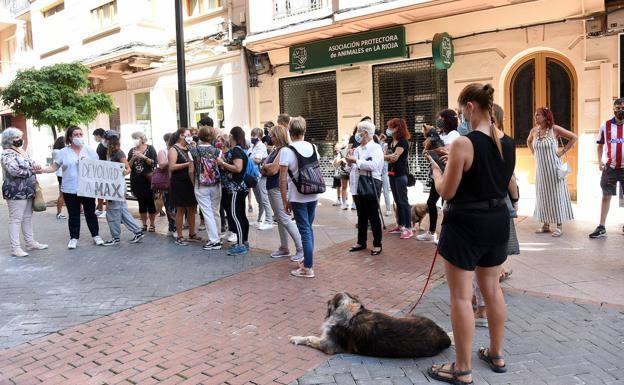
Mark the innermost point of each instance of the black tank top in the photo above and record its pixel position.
(489, 175)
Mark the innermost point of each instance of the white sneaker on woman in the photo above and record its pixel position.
(427, 236)
(265, 226)
(36, 246)
(72, 243)
(98, 240)
(18, 252)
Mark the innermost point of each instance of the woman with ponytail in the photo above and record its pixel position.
(475, 230)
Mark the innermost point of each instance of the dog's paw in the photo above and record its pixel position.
(298, 340)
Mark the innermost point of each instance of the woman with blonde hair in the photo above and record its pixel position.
(270, 169)
(142, 161)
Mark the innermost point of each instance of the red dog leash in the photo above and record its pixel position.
(435, 256)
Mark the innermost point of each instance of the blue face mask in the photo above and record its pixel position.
(464, 126)
(358, 137)
(388, 133)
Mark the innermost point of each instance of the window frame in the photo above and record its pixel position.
(98, 22)
(53, 8)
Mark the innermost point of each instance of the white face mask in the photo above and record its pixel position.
(137, 142)
(78, 142)
(188, 139)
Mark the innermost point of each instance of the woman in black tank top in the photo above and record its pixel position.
(475, 230)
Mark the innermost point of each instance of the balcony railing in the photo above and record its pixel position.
(287, 8)
(15, 6)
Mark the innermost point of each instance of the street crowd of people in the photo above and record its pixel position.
(212, 172)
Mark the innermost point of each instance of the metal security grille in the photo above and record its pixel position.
(314, 98)
(413, 90)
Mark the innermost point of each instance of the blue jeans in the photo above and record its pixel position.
(398, 185)
(116, 214)
(304, 216)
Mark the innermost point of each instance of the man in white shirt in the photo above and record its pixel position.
(303, 206)
(367, 160)
(258, 153)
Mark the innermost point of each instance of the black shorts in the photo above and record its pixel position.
(475, 238)
(610, 178)
(60, 180)
(336, 182)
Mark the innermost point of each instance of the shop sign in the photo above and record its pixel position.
(373, 45)
(443, 51)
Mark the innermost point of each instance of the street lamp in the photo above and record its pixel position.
(181, 64)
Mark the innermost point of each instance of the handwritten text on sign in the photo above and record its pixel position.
(101, 179)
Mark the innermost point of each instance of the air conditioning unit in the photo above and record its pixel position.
(615, 21)
(595, 26)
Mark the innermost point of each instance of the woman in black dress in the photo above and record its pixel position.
(142, 160)
(475, 231)
(181, 183)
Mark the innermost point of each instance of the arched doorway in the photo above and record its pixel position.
(540, 79)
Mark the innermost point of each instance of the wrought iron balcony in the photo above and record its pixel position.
(15, 6)
(286, 8)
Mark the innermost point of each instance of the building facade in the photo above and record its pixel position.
(557, 53)
(129, 45)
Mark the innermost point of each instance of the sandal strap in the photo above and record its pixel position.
(484, 350)
(452, 371)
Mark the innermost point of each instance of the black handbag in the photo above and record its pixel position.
(368, 187)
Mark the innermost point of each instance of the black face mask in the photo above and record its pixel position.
(254, 141)
(18, 143)
(619, 115)
(268, 141)
(195, 138)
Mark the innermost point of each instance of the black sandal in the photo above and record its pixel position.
(490, 361)
(376, 252)
(454, 379)
(152, 229)
(144, 228)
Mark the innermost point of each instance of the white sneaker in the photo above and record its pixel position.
(102, 214)
(98, 213)
(98, 240)
(36, 246)
(427, 237)
(19, 253)
(232, 238)
(265, 226)
(337, 203)
(344, 206)
(72, 243)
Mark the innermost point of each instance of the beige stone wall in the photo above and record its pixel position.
(486, 58)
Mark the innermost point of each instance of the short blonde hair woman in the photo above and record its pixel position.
(270, 169)
(142, 159)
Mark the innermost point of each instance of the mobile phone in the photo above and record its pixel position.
(436, 158)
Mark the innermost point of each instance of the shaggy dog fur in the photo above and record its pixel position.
(351, 328)
(419, 212)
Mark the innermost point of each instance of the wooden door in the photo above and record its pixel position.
(538, 80)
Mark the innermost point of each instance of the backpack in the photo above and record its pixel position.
(252, 174)
(209, 174)
(309, 179)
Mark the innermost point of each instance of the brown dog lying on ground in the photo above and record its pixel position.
(419, 212)
(351, 328)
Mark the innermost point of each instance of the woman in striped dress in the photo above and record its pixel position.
(552, 204)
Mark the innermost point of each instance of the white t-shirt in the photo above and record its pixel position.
(450, 137)
(67, 160)
(288, 158)
(59, 172)
(258, 151)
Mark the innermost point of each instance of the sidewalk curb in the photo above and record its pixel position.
(578, 301)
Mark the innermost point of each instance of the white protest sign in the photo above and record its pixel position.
(101, 179)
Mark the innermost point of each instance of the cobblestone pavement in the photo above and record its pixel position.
(57, 288)
(232, 331)
(546, 342)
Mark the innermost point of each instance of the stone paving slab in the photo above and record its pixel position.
(232, 331)
(546, 342)
(57, 288)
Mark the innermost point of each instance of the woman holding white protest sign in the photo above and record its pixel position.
(67, 159)
(117, 211)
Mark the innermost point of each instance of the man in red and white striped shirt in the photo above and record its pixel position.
(610, 143)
